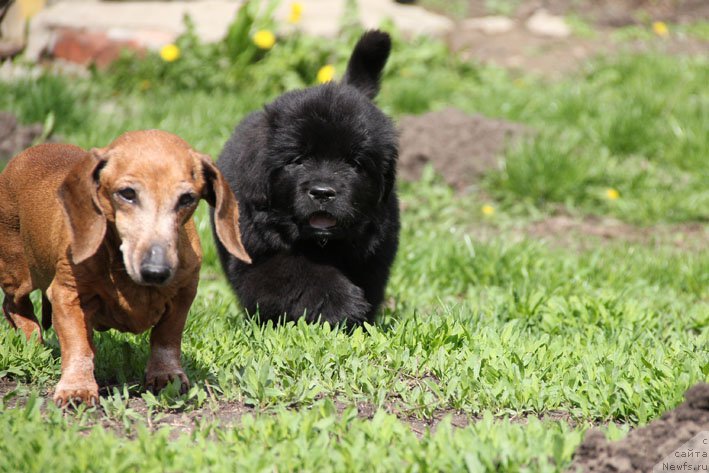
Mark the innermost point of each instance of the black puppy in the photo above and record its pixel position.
(314, 176)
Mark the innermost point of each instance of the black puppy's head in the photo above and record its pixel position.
(333, 151)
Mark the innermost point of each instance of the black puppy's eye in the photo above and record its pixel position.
(186, 200)
(297, 161)
(128, 194)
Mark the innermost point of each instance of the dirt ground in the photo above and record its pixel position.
(604, 13)
(460, 147)
(520, 49)
(644, 448)
(230, 413)
(612, 13)
(639, 452)
(584, 233)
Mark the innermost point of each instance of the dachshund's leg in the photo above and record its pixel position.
(20, 313)
(164, 364)
(73, 322)
(16, 283)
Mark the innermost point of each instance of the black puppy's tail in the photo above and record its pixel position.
(364, 70)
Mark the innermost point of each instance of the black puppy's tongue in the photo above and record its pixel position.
(322, 221)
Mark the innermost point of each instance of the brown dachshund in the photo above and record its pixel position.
(108, 238)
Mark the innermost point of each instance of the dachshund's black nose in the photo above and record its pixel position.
(154, 268)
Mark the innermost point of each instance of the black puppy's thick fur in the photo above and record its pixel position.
(314, 176)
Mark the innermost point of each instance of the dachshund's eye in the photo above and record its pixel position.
(186, 200)
(128, 194)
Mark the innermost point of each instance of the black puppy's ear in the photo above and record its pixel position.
(364, 70)
(389, 175)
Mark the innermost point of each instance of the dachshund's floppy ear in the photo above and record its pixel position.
(226, 210)
(78, 195)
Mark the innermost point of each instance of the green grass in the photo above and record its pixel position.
(461, 8)
(454, 8)
(637, 124)
(311, 440)
(496, 329)
(697, 30)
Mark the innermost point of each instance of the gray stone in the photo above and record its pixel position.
(543, 23)
(489, 24)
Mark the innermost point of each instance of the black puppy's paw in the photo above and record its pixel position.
(339, 302)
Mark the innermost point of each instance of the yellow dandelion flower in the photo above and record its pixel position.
(296, 11)
(29, 8)
(170, 53)
(660, 29)
(264, 39)
(612, 194)
(488, 210)
(326, 73)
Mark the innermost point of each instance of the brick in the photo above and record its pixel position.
(89, 47)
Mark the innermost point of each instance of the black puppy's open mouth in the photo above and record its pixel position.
(322, 221)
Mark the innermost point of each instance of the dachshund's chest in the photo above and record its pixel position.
(133, 311)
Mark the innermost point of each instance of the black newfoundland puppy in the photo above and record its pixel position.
(314, 176)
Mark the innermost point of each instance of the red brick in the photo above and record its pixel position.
(89, 47)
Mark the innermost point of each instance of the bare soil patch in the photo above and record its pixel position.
(588, 232)
(460, 147)
(520, 49)
(643, 448)
(616, 13)
(611, 13)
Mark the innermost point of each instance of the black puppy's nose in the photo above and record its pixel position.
(322, 193)
(154, 268)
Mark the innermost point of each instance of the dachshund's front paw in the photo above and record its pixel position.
(157, 380)
(68, 394)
